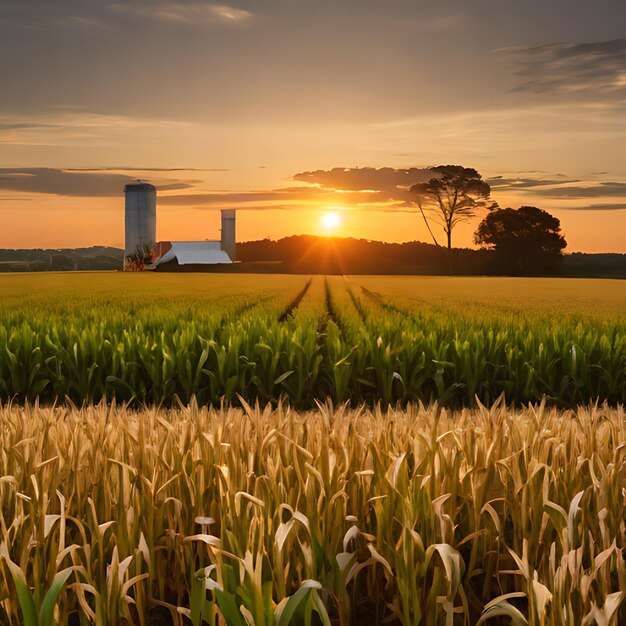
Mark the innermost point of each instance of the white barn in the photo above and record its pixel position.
(193, 253)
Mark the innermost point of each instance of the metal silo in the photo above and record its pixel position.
(229, 241)
(140, 247)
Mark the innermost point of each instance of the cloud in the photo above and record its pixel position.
(359, 188)
(364, 188)
(597, 207)
(24, 126)
(228, 197)
(184, 12)
(45, 15)
(71, 183)
(145, 169)
(501, 182)
(110, 181)
(563, 187)
(388, 182)
(288, 198)
(75, 127)
(605, 189)
(561, 68)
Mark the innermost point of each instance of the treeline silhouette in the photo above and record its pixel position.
(307, 254)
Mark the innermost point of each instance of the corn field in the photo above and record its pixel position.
(231, 450)
(244, 516)
(159, 339)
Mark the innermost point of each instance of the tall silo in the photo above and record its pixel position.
(229, 241)
(140, 247)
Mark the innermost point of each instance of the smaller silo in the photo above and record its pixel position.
(140, 222)
(229, 241)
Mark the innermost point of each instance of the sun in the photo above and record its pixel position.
(331, 221)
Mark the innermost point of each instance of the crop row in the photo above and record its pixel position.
(303, 340)
(264, 517)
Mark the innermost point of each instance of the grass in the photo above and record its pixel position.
(267, 516)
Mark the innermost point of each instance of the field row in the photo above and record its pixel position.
(263, 517)
(363, 339)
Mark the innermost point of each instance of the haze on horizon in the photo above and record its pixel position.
(291, 110)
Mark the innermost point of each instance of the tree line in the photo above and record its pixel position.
(523, 240)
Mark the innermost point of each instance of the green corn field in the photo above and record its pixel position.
(159, 339)
(242, 450)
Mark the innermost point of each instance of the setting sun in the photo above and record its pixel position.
(331, 221)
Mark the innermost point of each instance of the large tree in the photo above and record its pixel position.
(527, 239)
(454, 194)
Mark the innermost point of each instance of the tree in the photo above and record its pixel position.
(524, 239)
(452, 195)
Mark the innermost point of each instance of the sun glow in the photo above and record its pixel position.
(331, 221)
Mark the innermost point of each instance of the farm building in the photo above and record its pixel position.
(142, 251)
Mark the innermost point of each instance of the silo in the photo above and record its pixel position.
(140, 247)
(229, 241)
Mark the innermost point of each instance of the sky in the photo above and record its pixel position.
(290, 110)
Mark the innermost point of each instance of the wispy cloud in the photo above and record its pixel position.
(387, 189)
(522, 183)
(600, 207)
(566, 68)
(387, 179)
(73, 127)
(146, 169)
(612, 189)
(46, 15)
(288, 199)
(184, 12)
(47, 180)
(362, 188)
(563, 193)
(561, 186)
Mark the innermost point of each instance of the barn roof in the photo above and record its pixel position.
(196, 253)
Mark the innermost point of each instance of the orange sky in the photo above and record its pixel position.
(75, 222)
(227, 105)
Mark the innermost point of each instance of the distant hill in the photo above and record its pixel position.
(592, 265)
(308, 254)
(41, 260)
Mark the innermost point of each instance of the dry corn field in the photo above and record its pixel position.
(342, 516)
(232, 450)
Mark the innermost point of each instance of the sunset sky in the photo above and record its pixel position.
(291, 110)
